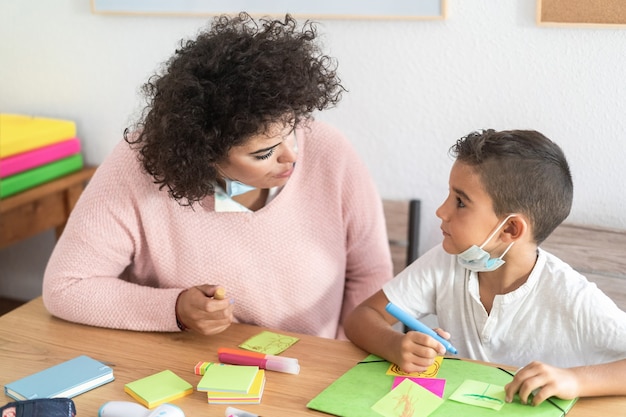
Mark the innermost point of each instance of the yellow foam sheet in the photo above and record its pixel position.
(20, 133)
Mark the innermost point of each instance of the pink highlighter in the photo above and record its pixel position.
(263, 361)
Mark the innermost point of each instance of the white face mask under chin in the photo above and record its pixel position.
(235, 188)
(479, 260)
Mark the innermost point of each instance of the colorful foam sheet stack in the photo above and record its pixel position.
(35, 150)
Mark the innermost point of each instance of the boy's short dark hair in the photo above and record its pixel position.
(523, 172)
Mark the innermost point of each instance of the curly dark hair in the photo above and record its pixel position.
(523, 172)
(234, 80)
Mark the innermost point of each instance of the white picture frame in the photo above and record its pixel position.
(321, 9)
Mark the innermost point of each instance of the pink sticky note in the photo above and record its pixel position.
(434, 385)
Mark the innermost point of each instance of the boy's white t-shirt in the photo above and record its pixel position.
(557, 317)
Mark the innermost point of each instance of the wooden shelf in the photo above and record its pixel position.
(41, 208)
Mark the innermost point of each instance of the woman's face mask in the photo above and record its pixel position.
(479, 260)
(234, 187)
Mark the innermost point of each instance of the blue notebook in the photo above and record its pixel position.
(66, 379)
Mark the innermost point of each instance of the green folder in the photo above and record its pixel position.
(354, 393)
(37, 176)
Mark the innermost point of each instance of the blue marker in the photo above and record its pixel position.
(414, 324)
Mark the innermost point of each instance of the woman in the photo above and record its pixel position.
(226, 180)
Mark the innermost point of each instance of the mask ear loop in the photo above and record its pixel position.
(496, 230)
(511, 244)
(506, 250)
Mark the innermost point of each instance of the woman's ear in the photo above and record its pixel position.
(516, 227)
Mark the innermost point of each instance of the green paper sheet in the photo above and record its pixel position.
(480, 394)
(39, 175)
(354, 393)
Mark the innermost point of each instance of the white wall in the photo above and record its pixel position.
(415, 87)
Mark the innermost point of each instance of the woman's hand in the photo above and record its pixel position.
(199, 310)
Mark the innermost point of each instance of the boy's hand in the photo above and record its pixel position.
(418, 351)
(537, 381)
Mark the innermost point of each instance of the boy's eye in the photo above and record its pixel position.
(459, 203)
(265, 156)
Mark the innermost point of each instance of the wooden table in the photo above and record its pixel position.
(41, 208)
(31, 339)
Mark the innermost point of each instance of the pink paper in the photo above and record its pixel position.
(434, 385)
(15, 164)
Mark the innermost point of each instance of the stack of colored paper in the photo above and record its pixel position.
(231, 384)
(35, 150)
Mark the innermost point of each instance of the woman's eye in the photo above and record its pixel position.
(265, 156)
(459, 203)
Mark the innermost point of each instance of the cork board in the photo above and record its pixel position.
(581, 12)
(340, 9)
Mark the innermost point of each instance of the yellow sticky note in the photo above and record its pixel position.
(269, 343)
(408, 399)
(430, 372)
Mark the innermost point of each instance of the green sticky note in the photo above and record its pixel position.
(159, 388)
(228, 378)
(408, 399)
(480, 394)
(269, 343)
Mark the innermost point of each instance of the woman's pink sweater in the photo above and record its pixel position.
(299, 264)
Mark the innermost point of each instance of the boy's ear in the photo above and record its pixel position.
(516, 227)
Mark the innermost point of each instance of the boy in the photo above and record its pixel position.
(507, 301)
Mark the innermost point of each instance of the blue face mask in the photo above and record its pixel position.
(234, 187)
(479, 260)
